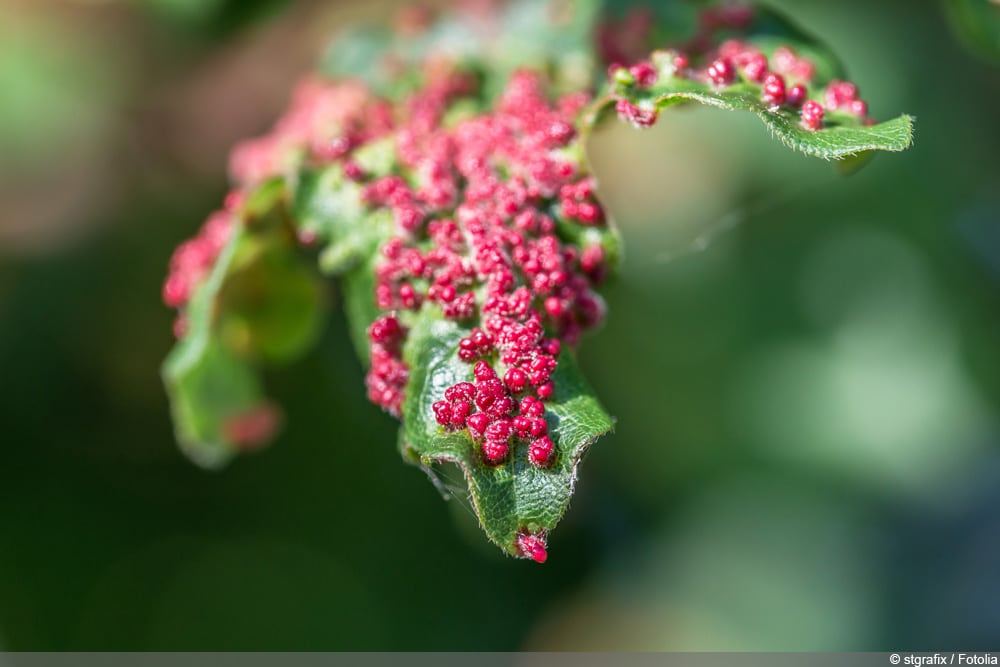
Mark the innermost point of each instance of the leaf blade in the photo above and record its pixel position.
(844, 134)
(831, 143)
(516, 496)
(259, 303)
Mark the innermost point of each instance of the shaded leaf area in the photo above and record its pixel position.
(260, 304)
(977, 23)
(844, 133)
(516, 497)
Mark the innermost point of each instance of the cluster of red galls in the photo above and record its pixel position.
(474, 205)
(493, 424)
(193, 259)
(324, 122)
(475, 235)
(783, 79)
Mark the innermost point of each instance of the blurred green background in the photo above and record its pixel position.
(805, 371)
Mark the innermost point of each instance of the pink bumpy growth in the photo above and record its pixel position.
(475, 238)
(475, 206)
(532, 546)
(253, 428)
(327, 120)
(193, 259)
(324, 122)
(812, 115)
(783, 80)
(721, 72)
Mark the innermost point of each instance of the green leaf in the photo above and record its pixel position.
(843, 135)
(269, 302)
(358, 288)
(260, 303)
(515, 496)
(207, 384)
(330, 207)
